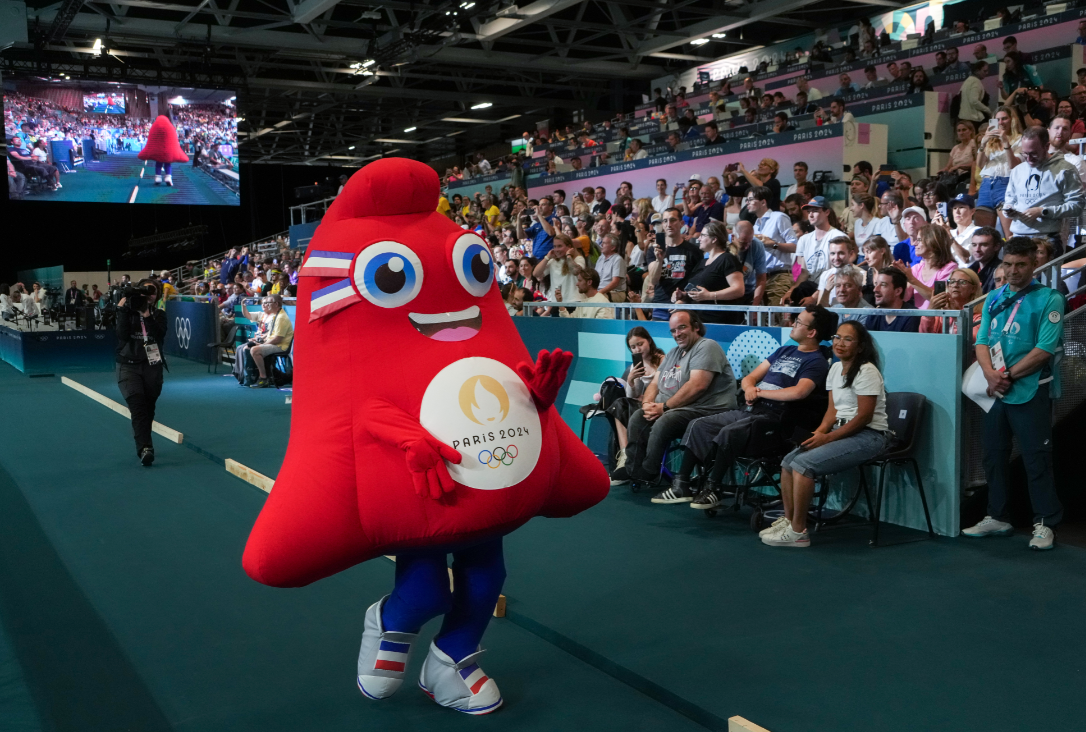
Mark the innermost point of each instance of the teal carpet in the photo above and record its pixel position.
(123, 596)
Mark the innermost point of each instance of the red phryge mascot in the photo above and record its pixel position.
(420, 428)
(162, 147)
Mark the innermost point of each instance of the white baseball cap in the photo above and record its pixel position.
(916, 210)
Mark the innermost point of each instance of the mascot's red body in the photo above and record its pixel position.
(400, 325)
(162, 144)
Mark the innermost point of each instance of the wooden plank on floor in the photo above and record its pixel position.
(738, 724)
(157, 427)
(249, 475)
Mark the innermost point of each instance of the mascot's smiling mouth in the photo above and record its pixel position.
(458, 326)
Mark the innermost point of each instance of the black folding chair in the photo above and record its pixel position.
(905, 410)
(226, 342)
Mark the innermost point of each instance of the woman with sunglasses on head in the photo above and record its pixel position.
(854, 430)
(962, 286)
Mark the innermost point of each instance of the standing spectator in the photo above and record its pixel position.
(1017, 75)
(774, 230)
(600, 204)
(662, 201)
(936, 264)
(561, 265)
(611, 268)
(541, 231)
(719, 281)
(799, 172)
(972, 106)
(73, 298)
(765, 175)
(985, 246)
(854, 430)
(813, 249)
(877, 257)
(1060, 131)
(959, 165)
(1020, 371)
(962, 209)
(677, 261)
(694, 380)
(1042, 191)
(753, 262)
(997, 155)
(710, 210)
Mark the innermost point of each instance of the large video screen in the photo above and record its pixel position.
(103, 103)
(108, 142)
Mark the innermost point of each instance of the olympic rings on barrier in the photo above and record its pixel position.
(499, 456)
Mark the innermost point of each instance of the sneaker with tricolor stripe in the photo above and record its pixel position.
(383, 657)
(462, 686)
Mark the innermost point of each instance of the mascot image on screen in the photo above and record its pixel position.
(420, 428)
(163, 148)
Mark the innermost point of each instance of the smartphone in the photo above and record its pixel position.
(731, 167)
(993, 124)
(942, 209)
(637, 359)
(939, 288)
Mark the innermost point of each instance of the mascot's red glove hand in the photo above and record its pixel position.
(546, 377)
(426, 455)
(426, 458)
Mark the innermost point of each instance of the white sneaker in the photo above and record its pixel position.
(774, 527)
(620, 462)
(168, 180)
(788, 538)
(383, 657)
(1043, 538)
(461, 686)
(988, 527)
(158, 180)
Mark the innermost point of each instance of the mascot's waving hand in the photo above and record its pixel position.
(420, 428)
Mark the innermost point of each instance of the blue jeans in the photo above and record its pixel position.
(992, 191)
(837, 456)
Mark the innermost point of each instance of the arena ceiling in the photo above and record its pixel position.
(338, 82)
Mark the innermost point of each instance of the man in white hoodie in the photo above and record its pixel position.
(1043, 190)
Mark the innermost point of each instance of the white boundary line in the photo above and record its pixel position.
(135, 190)
(738, 724)
(169, 433)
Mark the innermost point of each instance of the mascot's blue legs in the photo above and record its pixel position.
(422, 593)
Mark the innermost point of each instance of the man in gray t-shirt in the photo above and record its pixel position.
(693, 381)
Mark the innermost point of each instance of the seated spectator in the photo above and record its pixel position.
(719, 281)
(272, 339)
(912, 219)
(846, 86)
(936, 264)
(799, 172)
(961, 209)
(525, 278)
(842, 251)
(848, 288)
(1045, 254)
(783, 394)
(694, 380)
(1041, 113)
(647, 357)
(780, 123)
(890, 287)
(7, 310)
(1043, 190)
(918, 82)
(587, 284)
(985, 245)
(1060, 132)
(940, 63)
(872, 78)
(635, 151)
(854, 430)
(962, 155)
(962, 286)
(802, 106)
(877, 256)
(838, 113)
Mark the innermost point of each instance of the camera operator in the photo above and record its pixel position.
(141, 334)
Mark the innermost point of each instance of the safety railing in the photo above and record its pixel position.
(201, 265)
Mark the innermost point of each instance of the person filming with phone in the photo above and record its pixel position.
(141, 334)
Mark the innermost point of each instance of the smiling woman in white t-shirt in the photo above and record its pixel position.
(854, 430)
(561, 266)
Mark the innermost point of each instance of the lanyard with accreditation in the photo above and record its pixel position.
(995, 310)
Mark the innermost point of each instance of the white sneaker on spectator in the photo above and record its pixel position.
(988, 526)
(1043, 538)
(788, 538)
(620, 462)
(774, 527)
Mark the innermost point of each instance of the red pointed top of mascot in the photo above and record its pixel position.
(162, 145)
(418, 418)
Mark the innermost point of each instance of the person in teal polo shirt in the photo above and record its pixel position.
(1018, 347)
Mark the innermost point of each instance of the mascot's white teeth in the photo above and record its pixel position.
(458, 326)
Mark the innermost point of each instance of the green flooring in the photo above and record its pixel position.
(629, 616)
(112, 179)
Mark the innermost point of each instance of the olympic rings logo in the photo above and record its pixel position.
(183, 328)
(498, 457)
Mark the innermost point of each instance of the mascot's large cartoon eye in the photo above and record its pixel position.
(388, 274)
(473, 264)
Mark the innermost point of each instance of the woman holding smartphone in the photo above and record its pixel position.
(997, 155)
(647, 357)
(936, 265)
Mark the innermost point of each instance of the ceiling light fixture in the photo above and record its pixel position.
(720, 35)
(351, 147)
(97, 47)
(411, 129)
(699, 41)
(482, 105)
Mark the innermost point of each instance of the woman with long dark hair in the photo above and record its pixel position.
(854, 430)
(647, 358)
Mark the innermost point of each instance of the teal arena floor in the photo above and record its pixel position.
(123, 605)
(113, 178)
